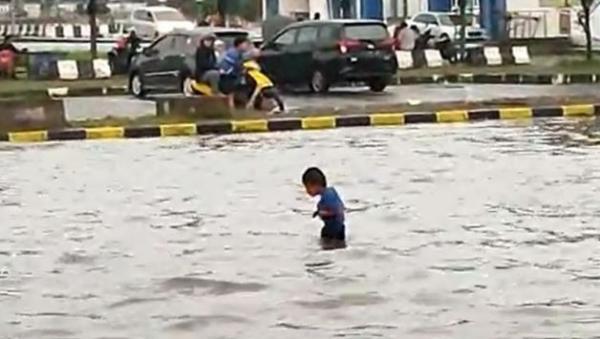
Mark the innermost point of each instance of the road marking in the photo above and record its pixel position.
(176, 130)
(578, 110)
(105, 133)
(387, 119)
(243, 126)
(318, 122)
(33, 136)
(516, 113)
(452, 116)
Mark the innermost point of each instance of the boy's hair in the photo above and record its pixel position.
(314, 176)
(238, 41)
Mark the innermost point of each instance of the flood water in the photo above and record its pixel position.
(468, 231)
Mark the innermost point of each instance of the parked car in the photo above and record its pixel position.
(446, 26)
(152, 22)
(323, 53)
(168, 64)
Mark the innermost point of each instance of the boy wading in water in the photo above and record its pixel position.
(330, 208)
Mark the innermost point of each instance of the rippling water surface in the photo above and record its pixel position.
(466, 231)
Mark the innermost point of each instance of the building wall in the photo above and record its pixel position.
(288, 7)
(319, 6)
(414, 7)
(518, 5)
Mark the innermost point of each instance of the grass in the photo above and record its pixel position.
(24, 86)
(571, 64)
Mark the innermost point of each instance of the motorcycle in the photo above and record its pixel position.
(255, 90)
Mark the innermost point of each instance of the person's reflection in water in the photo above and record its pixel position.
(330, 209)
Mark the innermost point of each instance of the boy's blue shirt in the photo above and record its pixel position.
(331, 201)
(231, 64)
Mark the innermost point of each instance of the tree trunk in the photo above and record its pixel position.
(222, 11)
(463, 28)
(405, 9)
(93, 28)
(588, 32)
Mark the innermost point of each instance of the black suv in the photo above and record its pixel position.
(168, 64)
(322, 53)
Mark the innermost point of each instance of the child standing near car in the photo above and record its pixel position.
(330, 208)
(231, 67)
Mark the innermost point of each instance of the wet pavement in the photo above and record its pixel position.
(482, 230)
(99, 107)
(417, 94)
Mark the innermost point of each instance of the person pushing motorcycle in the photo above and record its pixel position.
(232, 69)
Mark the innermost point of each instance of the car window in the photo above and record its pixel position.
(141, 15)
(371, 32)
(169, 16)
(185, 44)
(307, 35)
(425, 19)
(165, 45)
(446, 20)
(421, 18)
(328, 33)
(430, 19)
(149, 17)
(286, 38)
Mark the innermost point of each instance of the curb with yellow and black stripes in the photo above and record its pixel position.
(302, 123)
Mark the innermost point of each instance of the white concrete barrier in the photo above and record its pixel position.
(492, 56)
(433, 58)
(101, 69)
(405, 59)
(521, 55)
(67, 70)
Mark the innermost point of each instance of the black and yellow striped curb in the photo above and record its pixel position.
(501, 78)
(304, 123)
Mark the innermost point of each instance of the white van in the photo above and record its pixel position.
(151, 22)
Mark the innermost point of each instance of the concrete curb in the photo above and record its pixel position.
(502, 78)
(306, 123)
(61, 92)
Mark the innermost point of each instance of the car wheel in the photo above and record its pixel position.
(319, 83)
(136, 86)
(378, 85)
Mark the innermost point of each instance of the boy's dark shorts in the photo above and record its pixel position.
(228, 84)
(333, 234)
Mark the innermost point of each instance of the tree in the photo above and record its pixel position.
(584, 21)
(247, 9)
(462, 8)
(405, 9)
(92, 10)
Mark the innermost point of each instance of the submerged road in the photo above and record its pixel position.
(483, 230)
(85, 108)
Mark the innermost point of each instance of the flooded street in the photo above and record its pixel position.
(485, 230)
